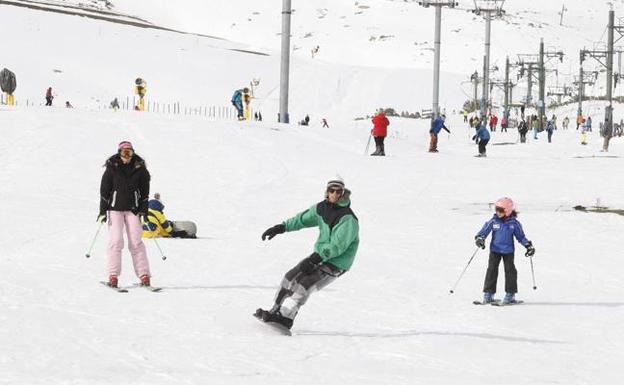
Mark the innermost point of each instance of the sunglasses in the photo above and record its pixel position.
(499, 210)
(126, 151)
(335, 190)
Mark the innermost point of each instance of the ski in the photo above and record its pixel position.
(274, 325)
(518, 302)
(153, 289)
(117, 289)
(485, 303)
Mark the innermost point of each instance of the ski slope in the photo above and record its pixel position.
(390, 320)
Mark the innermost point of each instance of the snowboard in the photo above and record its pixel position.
(275, 326)
(188, 226)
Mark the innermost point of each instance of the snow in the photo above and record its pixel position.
(391, 319)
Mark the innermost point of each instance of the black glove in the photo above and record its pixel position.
(273, 231)
(101, 218)
(530, 250)
(309, 264)
(480, 242)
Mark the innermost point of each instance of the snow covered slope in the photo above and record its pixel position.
(390, 320)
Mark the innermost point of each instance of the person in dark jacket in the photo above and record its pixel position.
(504, 227)
(523, 128)
(334, 252)
(49, 97)
(379, 132)
(436, 126)
(124, 193)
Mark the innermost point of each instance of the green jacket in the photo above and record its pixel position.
(338, 239)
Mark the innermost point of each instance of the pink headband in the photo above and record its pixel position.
(125, 144)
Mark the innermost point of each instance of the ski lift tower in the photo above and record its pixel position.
(489, 9)
(438, 4)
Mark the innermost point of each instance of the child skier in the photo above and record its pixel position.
(504, 227)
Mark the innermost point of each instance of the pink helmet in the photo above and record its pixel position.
(506, 204)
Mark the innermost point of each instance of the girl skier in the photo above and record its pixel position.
(504, 227)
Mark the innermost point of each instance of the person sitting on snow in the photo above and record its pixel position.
(157, 225)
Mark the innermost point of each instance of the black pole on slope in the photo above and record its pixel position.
(463, 272)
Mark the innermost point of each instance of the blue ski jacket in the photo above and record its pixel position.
(437, 126)
(483, 133)
(237, 97)
(503, 232)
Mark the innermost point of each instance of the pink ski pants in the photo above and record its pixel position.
(117, 220)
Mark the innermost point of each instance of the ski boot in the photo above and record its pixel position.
(145, 280)
(113, 281)
(509, 298)
(276, 317)
(488, 297)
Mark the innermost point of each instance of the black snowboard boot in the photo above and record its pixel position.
(276, 317)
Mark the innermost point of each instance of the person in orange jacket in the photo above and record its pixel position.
(379, 132)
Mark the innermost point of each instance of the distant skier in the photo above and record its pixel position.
(379, 132)
(504, 226)
(68, 104)
(49, 96)
(536, 126)
(588, 123)
(237, 102)
(504, 124)
(493, 122)
(124, 191)
(333, 254)
(324, 121)
(550, 128)
(565, 123)
(482, 137)
(523, 128)
(115, 104)
(436, 126)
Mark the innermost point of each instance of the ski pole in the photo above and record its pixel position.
(368, 144)
(159, 249)
(533, 273)
(88, 254)
(465, 268)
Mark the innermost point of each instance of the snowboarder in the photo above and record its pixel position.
(333, 254)
(379, 132)
(523, 128)
(124, 191)
(49, 97)
(482, 137)
(237, 102)
(436, 126)
(504, 227)
(158, 225)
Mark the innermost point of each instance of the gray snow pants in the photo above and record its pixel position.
(297, 286)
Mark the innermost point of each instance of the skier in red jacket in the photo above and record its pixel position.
(379, 132)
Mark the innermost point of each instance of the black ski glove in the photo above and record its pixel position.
(480, 242)
(530, 250)
(309, 264)
(273, 231)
